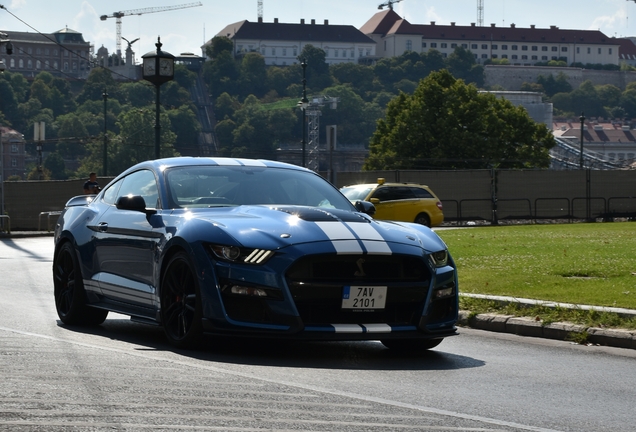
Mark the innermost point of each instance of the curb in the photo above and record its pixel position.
(531, 327)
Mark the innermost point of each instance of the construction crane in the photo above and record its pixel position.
(120, 14)
(390, 3)
(260, 9)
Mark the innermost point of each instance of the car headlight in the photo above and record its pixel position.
(241, 255)
(439, 259)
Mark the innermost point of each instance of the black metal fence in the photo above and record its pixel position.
(509, 195)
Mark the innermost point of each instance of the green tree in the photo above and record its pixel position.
(98, 80)
(253, 75)
(556, 85)
(317, 71)
(55, 165)
(219, 45)
(449, 124)
(186, 126)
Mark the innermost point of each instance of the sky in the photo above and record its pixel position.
(186, 29)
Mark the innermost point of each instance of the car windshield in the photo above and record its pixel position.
(215, 186)
(356, 193)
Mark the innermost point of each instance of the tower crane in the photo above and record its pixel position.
(390, 3)
(480, 13)
(120, 14)
(259, 7)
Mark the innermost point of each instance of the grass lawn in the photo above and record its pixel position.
(581, 263)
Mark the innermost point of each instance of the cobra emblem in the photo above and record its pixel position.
(360, 271)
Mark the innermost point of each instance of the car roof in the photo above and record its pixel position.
(160, 164)
(373, 185)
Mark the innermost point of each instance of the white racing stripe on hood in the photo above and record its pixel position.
(342, 239)
(347, 242)
(371, 238)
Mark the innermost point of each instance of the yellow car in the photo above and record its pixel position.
(406, 202)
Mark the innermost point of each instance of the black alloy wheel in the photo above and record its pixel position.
(423, 219)
(69, 293)
(180, 302)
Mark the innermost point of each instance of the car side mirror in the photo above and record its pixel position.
(131, 202)
(375, 200)
(365, 207)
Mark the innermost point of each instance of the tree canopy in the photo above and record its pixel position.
(448, 124)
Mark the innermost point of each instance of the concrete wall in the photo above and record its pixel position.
(466, 195)
(512, 77)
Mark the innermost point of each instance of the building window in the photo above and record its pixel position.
(494, 56)
(554, 58)
(46, 64)
(433, 44)
(514, 57)
(295, 52)
(495, 47)
(544, 57)
(465, 46)
(359, 52)
(336, 53)
(327, 53)
(524, 47)
(524, 57)
(453, 45)
(14, 148)
(29, 64)
(555, 48)
(475, 55)
(589, 50)
(473, 46)
(564, 49)
(444, 55)
(578, 50)
(535, 57)
(353, 53)
(21, 63)
(599, 50)
(273, 51)
(535, 48)
(484, 56)
(263, 51)
(409, 45)
(484, 46)
(423, 44)
(284, 52)
(38, 64)
(504, 56)
(14, 162)
(368, 52)
(610, 51)
(444, 45)
(504, 47)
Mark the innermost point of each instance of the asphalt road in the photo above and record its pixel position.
(123, 376)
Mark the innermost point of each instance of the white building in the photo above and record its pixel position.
(281, 43)
(521, 46)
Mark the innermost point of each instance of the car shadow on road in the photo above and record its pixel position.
(364, 355)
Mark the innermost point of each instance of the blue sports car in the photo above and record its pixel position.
(249, 248)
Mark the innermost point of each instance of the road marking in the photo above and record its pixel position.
(216, 369)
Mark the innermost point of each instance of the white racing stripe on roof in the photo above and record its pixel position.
(341, 238)
(372, 240)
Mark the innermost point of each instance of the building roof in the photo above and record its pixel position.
(390, 23)
(295, 32)
(627, 49)
(65, 35)
(595, 133)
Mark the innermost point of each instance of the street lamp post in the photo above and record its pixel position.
(158, 68)
(105, 156)
(303, 104)
(582, 120)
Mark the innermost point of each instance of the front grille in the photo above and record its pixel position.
(316, 285)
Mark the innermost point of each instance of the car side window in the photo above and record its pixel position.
(393, 193)
(110, 194)
(141, 183)
(421, 193)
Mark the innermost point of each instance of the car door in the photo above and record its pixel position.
(384, 202)
(126, 243)
(403, 204)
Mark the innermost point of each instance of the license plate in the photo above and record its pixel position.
(363, 297)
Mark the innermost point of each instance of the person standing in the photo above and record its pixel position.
(91, 186)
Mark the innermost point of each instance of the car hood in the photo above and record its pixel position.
(347, 232)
